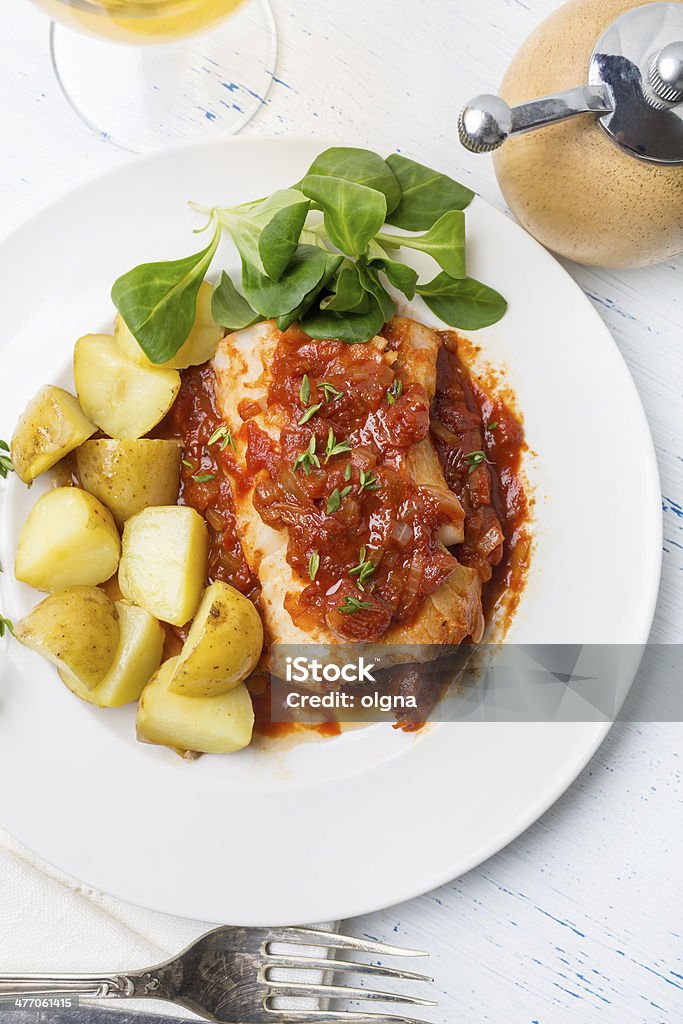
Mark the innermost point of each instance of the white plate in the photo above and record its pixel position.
(336, 828)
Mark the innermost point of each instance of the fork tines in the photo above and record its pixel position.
(294, 937)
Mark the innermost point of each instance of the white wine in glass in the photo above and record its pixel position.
(190, 69)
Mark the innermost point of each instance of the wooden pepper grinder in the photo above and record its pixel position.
(602, 181)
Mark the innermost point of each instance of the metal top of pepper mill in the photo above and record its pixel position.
(635, 86)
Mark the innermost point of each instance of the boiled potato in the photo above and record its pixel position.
(77, 629)
(164, 562)
(223, 646)
(200, 346)
(124, 400)
(207, 725)
(69, 539)
(128, 476)
(50, 427)
(137, 659)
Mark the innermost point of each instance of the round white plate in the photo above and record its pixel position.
(328, 829)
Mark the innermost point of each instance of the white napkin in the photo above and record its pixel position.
(51, 923)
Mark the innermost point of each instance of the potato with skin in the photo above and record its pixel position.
(51, 426)
(223, 646)
(199, 347)
(164, 562)
(76, 629)
(124, 399)
(128, 476)
(69, 539)
(136, 660)
(207, 725)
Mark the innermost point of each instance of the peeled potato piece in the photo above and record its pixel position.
(124, 400)
(207, 725)
(223, 646)
(69, 539)
(137, 659)
(128, 476)
(199, 347)
(50, 427)
(164, 562)
(77, 629)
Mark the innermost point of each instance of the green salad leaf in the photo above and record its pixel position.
(348, 292)
(158, 301)
(353, 213)
(229, 308)
(362, 167)
(444, 242)
(332, 275)
(266, 232)
(466, 303)
(425, 194)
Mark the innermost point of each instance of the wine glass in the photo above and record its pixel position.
(187, 69)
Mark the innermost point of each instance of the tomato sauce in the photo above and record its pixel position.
(351, 503)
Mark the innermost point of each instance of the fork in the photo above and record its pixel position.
(226, 977)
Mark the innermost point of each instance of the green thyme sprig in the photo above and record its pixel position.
(335, 447)
(224, 436)
(313, 566)
(363, 570)
(352, 605)
(307, 459)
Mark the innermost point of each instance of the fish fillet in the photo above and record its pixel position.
(243, 369)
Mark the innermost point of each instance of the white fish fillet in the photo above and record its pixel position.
(242, 367)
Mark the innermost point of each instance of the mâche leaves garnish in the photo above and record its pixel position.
(276, 298)
(353, 213)
(203, 478)
(352, 328)
(267, 232)
(492, 426)
(362, 167)
(467, 303)
(186, 462)
(425, 194)
(305, 389)
(229, 308)
(6, 466)
(400, 275)
(158, 301)
(6, 626)
(347, 471)
(348, 292)
(444, 242)
(291, 273)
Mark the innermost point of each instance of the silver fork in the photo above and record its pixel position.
(226, 976)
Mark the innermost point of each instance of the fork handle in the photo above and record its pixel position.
(95, 986)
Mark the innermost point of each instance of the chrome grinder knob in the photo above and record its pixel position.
(666, 73)
(484, 124)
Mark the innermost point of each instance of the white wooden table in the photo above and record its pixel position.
(581, 919)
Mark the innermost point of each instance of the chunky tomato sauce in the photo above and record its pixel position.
(359, 529)
(336, 483)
